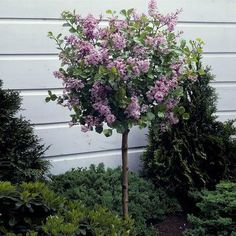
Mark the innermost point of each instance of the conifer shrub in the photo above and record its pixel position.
(99, 186)
(198, 151)
(32, 209)
(217, 211)
(20, 150)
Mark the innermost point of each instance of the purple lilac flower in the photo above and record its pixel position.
(98, 91)
(136, 71)
(120, 65)
(72, 101)
(103, 109)
(177, 68)
(110, 119)
(103, 33)
(136, 15)
(83, 49)
(58, 75)
(170, 20)
(133, 109)
(71, 40)
(192, 78)
(119, 41)
(154, 42)
(64, 59)
(90, 121)
(72, 83)
(139, 51)
(171, 103)
(143, 65)
(152, 5)
(159, 96)
(119, 25)
(144, 108)
(161, 89)
(93, 58)
(89, 24)
(172, 118)
(104, 54)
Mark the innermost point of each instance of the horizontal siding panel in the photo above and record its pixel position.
(38, 111)
(201, 10)
(35, 72)
(223, 67)
(224, 116)
(110, 159)
(32, 38)
(29, 72)
(227, 97)
(65, 140)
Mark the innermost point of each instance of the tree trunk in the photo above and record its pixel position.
(125, 169)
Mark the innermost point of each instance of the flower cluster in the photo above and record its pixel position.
(122, 73)
(161, 89)
(133, 109)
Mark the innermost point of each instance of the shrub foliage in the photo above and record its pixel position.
(32, 209)
(20, 150)
(217, 211)
(99, 186)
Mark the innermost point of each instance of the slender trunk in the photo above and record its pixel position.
(125, 169)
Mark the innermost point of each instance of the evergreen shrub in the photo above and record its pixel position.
(31, 209)
(198, 151)
(20, 150)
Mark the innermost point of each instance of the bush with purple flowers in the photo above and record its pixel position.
(123, 72)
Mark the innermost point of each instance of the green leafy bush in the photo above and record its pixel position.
(32, 209)
(217, 215)
(197, 152)
(20, 150)
(99, 186)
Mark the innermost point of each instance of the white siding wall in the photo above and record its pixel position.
(28, 57)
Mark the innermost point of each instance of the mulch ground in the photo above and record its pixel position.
(172, 226)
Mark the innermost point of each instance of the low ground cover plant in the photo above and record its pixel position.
(97, 185)
(217, 212)
(31, 209)
(21, 153)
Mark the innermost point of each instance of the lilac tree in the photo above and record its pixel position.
(121, 74)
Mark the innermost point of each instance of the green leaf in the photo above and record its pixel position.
(181, 110)
(178, 91)
(136, 40)
(201, 71)
(123, 12)
(50, 34)
(183, 43)
(120, 129)
(150, 116)
(53, 97)
(129, 12)
(102, 70)
(99, 129)
(199, 40)
(161, 114)
(47, 99)
(113, 70)
(185, 116)
(107, 132)
(109, 11)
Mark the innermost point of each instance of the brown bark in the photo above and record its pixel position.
(125, 169)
